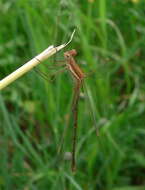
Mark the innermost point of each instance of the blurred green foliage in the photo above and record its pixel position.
(34, 114)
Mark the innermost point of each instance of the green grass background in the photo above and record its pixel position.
(110, 39)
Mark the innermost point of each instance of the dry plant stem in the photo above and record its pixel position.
(32, 63)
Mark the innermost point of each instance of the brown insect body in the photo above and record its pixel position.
(78, 75)
(72, 65)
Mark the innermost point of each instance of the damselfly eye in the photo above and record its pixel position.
(67, 55)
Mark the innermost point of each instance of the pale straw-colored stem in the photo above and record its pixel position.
(51, 50)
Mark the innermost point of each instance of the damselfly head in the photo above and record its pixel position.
(70, 53)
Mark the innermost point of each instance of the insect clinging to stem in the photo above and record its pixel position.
(78, 75)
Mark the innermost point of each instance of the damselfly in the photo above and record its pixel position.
(78, 75)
